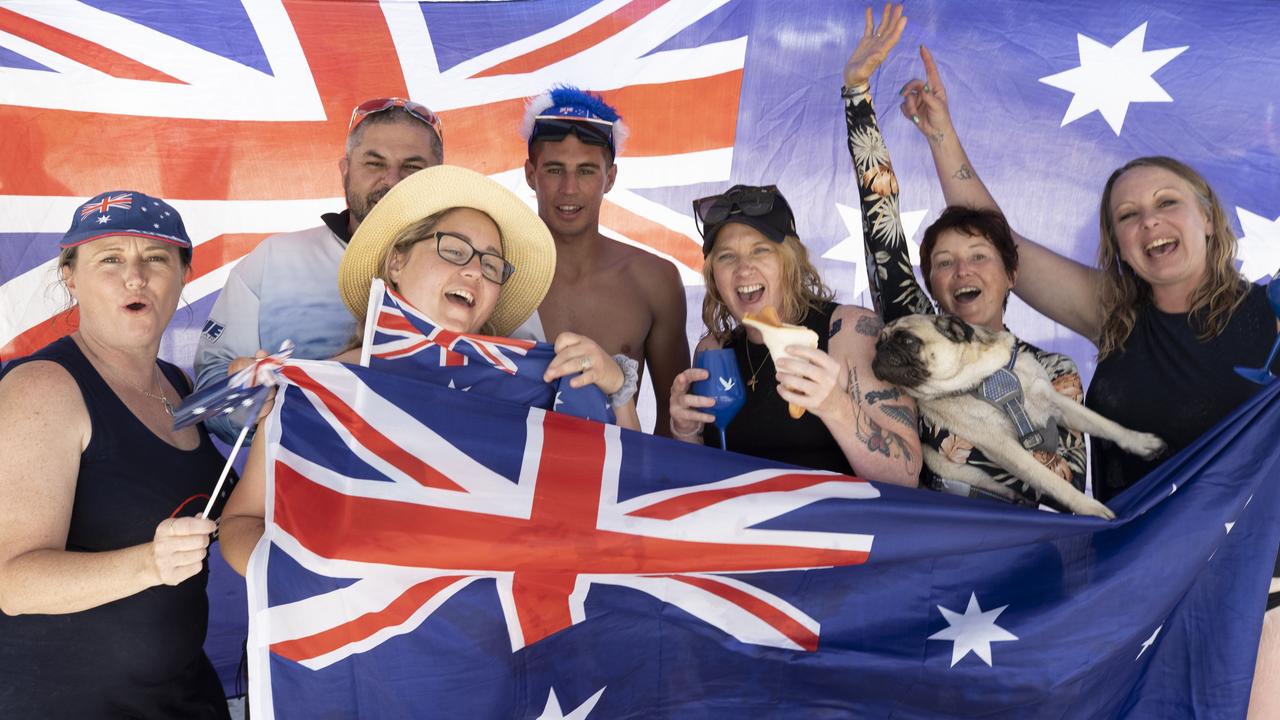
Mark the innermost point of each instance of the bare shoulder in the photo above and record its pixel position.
(649, 269)
(855, 320)
(42, 397)
(708, 342)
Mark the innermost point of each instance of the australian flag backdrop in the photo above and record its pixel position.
(235, 112)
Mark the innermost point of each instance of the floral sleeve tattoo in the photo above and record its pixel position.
(872, 434)
(893, 286)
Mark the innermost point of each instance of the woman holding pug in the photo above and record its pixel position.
(1170, 315)
(102, 572)
(854, 423)
(969, 263)
(470, 255)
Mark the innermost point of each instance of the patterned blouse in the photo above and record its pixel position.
(896, 293)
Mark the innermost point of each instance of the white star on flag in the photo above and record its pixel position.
(455, 387)
(552, 710)
(1259, 247)
(974, 631)
(1149, 641)
(853, 250)
(1109, 79)
(104, 219)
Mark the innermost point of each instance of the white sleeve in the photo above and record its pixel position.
(231, 330)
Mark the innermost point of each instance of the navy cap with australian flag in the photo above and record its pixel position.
(129, 213)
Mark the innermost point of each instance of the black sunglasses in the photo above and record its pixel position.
(458, 250)
(748, 200)
(557, 129)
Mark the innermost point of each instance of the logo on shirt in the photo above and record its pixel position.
(212, 331)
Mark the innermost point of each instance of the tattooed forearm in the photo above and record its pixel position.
(964, 173)
(871, 433)
(937, 137)
(869, 325)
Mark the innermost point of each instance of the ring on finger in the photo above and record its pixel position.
(585, 364)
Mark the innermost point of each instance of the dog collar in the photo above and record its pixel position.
(1003, 390)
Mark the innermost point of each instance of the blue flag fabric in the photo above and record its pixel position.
(400, 339)
(431, 555)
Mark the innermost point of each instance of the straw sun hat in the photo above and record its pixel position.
(526, 241)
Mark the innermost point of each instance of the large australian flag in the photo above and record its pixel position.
(432, 554)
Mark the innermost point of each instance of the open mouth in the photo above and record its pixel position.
(750, 293)
(1160, 247)
(966, 295)
(138, 306)
(568, 210)
(461, 297)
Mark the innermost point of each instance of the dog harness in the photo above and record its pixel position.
(1003, 390)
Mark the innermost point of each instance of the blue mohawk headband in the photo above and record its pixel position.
(569, 104)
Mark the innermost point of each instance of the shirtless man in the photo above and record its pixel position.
(629, 301)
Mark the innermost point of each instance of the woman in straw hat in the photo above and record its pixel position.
(471, 256)
(102, 572)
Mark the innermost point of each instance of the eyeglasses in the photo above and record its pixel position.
(747, 200)
(377, 105)
(458, 250)
(589, 131)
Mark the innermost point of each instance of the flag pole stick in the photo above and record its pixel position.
(226, 470)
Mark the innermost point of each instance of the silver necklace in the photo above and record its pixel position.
(168, 406)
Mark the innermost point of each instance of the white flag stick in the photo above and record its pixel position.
(226, 470)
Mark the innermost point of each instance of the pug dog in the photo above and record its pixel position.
(940, 360)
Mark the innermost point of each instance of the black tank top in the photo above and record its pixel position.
(763, 428)
(140, 656)
(1168, 382)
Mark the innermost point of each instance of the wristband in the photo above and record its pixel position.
(630, 380)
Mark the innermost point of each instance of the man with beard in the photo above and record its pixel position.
(287, 287)
(628, 300)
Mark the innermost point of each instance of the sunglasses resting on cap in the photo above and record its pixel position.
(760, 207)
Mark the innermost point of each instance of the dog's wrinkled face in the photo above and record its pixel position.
(931, 355)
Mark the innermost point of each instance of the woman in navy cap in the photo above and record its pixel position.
(854, 424)
(102, 562)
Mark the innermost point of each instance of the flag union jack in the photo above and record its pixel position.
(123, 201)
(415, 518)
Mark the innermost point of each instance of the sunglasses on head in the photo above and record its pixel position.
(591, 132)
(751, 201)
(377, 105)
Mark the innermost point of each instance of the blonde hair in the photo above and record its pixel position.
(802, 289)
(1123, 293)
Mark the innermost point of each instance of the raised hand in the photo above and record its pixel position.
(179, 548)
(924, 102)
(875, 44)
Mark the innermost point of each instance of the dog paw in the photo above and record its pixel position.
(1088, 506)
(1146, 446)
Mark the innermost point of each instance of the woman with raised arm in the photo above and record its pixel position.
(102, 562)
(969, 263)
(1168, 312)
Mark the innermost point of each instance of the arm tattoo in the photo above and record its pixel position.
(869, 326)
(964, 173)
(835, 327)
(902, 413)
(936, 138)
(876, 396)
(871, 433)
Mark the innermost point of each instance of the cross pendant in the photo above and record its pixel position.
(752, 384)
